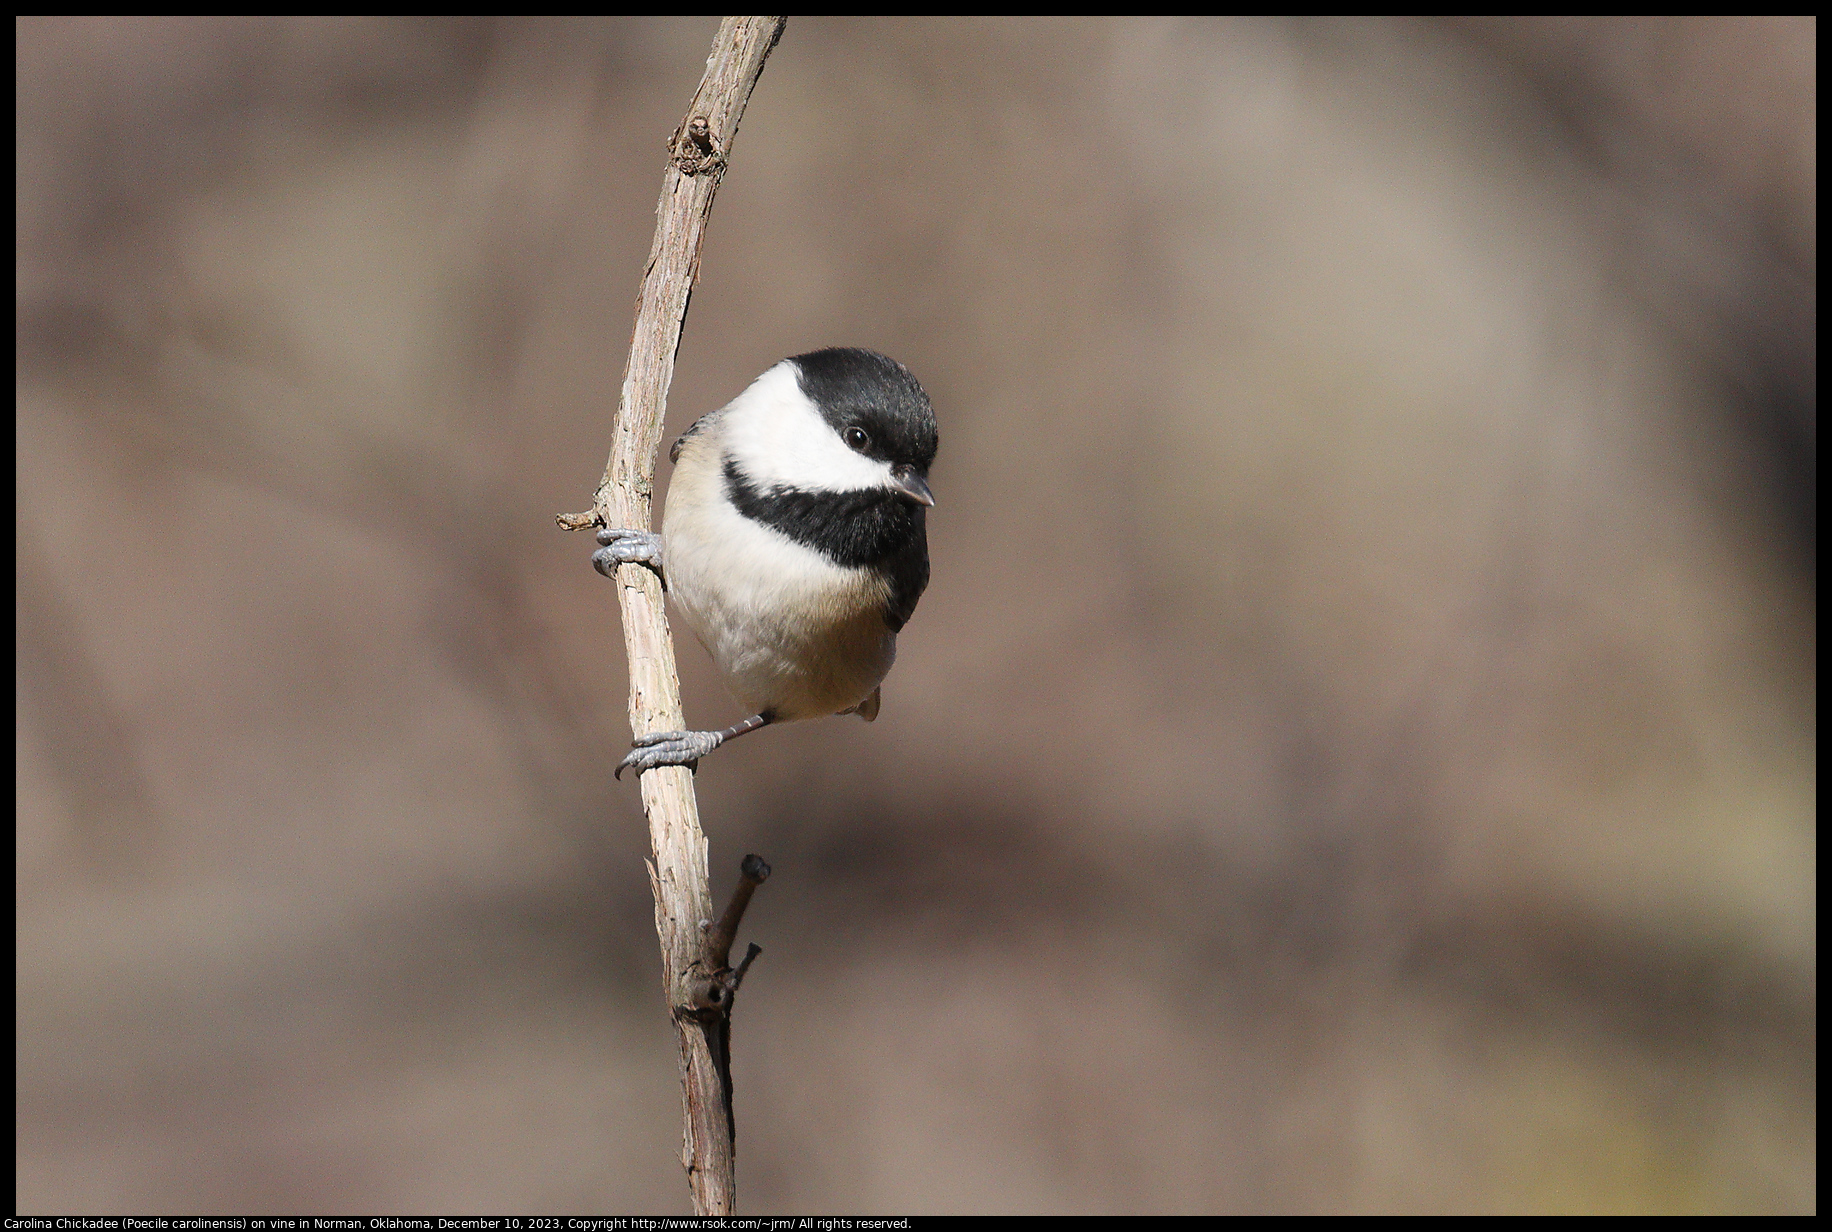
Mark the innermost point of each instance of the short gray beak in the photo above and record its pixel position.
(905, 480)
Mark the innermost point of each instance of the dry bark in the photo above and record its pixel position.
(698, 982)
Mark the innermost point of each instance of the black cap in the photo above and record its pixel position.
(854, 387)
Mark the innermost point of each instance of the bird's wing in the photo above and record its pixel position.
(699, 425)
(867, 709)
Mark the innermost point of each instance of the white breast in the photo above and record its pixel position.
(792, 632)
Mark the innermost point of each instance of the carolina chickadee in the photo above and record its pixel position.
(794, 540)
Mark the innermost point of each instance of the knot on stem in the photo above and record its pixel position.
(712, 982)
(695, 151)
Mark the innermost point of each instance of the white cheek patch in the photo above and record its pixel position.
(778, 438)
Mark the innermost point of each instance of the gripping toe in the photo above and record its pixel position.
(674, 748)
(627, 547)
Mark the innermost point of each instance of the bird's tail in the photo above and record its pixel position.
(867, 709)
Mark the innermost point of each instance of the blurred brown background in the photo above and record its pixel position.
(1357, 753)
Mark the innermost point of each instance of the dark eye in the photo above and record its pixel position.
(856, 438)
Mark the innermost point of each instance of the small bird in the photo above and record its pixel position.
(794, 540)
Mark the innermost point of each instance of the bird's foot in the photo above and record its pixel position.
(674, 748)
(628, 547)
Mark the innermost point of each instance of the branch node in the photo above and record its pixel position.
(695, 150)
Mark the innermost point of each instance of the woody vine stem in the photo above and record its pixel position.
(697, 974)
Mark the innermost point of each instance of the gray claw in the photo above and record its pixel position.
(675, 748)
(628, 547)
